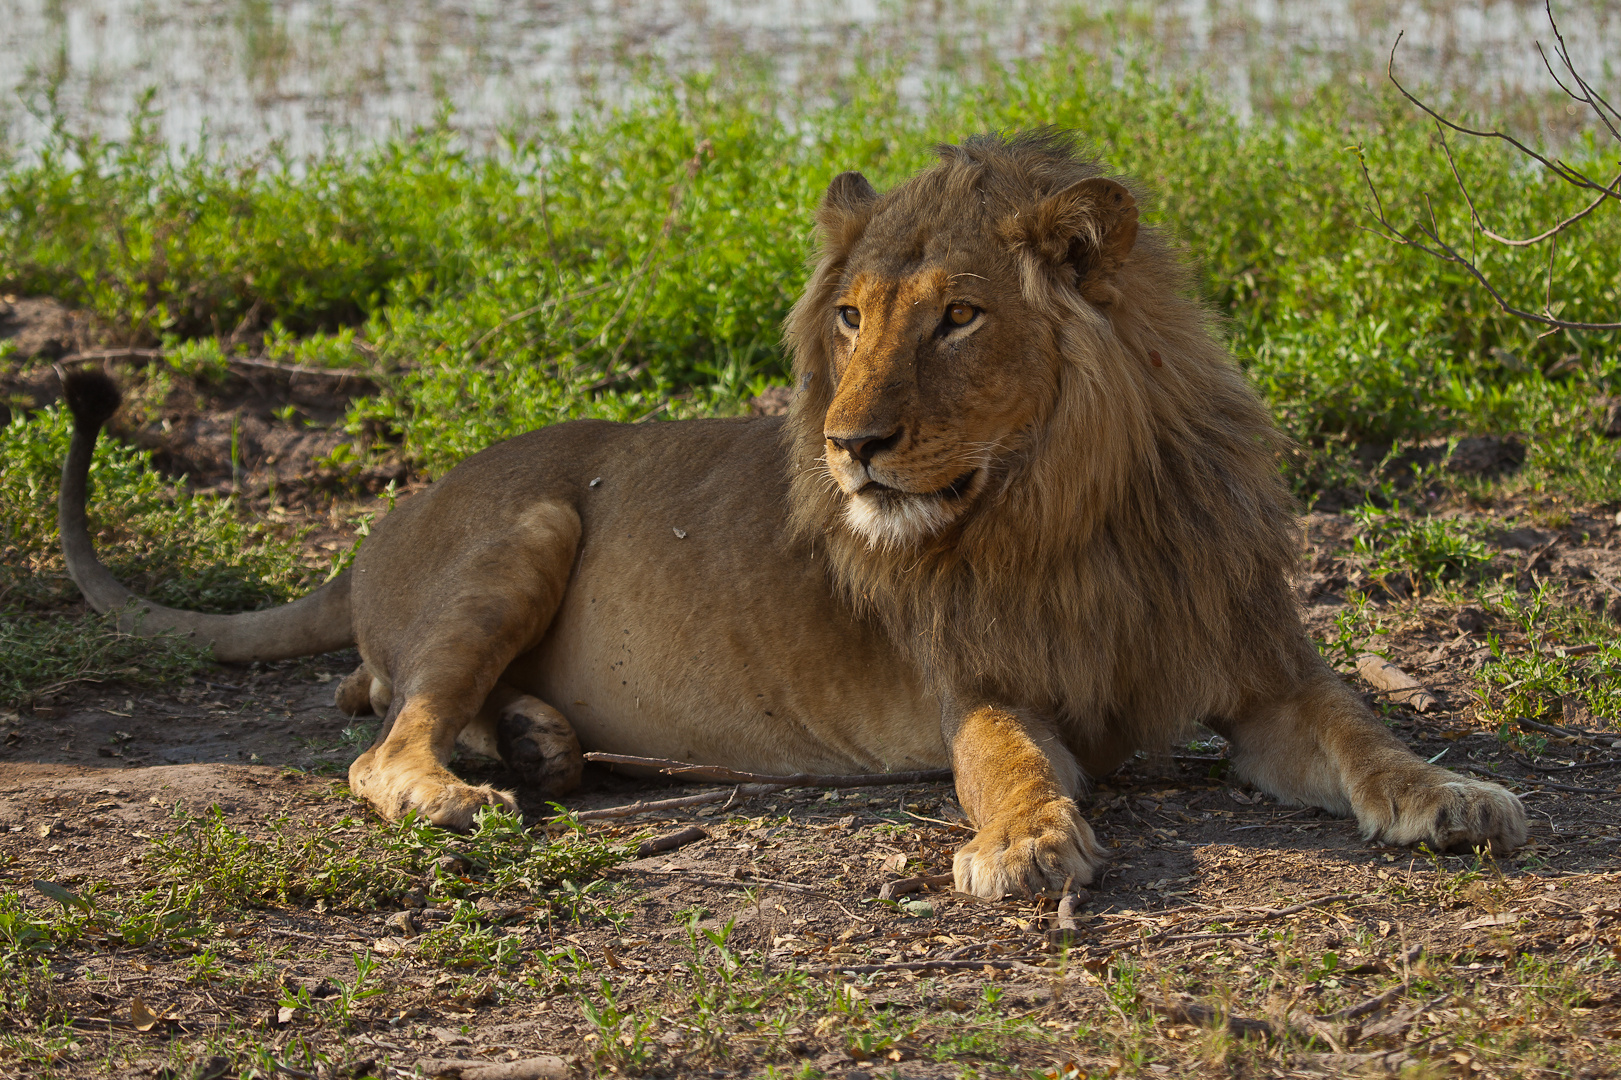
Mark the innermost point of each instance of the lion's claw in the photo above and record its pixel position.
(1025, 853)
(1447, 813)
(453, 806)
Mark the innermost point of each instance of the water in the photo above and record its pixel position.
(256, 73)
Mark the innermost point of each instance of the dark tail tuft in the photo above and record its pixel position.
(91, 396)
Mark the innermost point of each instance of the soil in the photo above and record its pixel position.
(87, 777)
(83, 785)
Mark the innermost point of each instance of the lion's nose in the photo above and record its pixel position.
(863, 447)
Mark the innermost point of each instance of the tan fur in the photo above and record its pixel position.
(1026, 545)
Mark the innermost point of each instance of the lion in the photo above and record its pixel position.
(1022, 519)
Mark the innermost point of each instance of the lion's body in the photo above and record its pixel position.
(1023, 518)
(691, 627)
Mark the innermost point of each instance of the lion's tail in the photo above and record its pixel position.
(317, 623)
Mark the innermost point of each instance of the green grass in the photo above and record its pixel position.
(638, 263)
(355, 865)
(1428, 551)
(1538, 682)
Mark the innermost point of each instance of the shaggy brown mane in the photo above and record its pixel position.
(1128, 568)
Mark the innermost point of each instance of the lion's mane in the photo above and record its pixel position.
(1128, 571)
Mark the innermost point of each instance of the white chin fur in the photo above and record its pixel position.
(893, 523)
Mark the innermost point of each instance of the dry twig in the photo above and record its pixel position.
(715, 773)
(1187, 1012)
(1014, 963)
(892, 889)
(659, 806)
(670, 841)
(1262, 915)
(1537, 781)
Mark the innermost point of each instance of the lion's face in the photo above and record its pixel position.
(939, 375)
(942, 370)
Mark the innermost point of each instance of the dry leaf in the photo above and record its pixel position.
(142, 1017)
(1402, 687)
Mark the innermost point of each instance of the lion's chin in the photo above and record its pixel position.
(888, 518)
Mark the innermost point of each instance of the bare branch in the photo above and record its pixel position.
(1588, 92)
(1565, 172)
(1612, 189)
(1445, 252)
(1426, 237)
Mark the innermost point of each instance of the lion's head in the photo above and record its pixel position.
(1019, 441)
(941, 368)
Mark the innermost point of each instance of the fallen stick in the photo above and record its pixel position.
(656, 806)
(731, 883)
(1554, 729)
(1277, 913)
(1602, 764)
(1537, 781)
(336, 374)
(1186, 1012)
(112, 354)
(892, 889)
(297, 934)
(1166, 938)
(1402, 687)
(670, 841)
(1240, 920)
(1607, 583)
(547, 1067)
(1069, 909)
(257, 363)
(715, 773)
(1363, 1008)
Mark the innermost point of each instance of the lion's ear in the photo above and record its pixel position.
(1090, 226)
(845, 209)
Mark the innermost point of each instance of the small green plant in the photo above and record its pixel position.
(623, 1044)
(1539, 681)
(1353, 624)
(340, 1009)
(1430, 551)
(468, 941)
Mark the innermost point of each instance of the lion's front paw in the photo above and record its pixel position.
(455, 805)
(1048, 850)
(1445, 811)
(395, 789)
(538, 743)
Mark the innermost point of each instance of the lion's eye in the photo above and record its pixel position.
(851, 317)
(961, 314)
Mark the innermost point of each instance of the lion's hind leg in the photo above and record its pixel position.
(444, 642)
(537, 742)
(1320, 746)
(530, 737)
